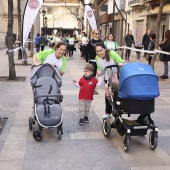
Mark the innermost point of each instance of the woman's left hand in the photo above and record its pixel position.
(120, 64)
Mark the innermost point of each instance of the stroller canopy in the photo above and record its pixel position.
(138, 81)
(45, 70)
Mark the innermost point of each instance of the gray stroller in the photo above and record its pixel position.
(46, 83)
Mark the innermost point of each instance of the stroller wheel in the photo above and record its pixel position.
(126, 143)
(30, 123)
(38, 135)
(59, 134)
(153, 140)
(106, 127)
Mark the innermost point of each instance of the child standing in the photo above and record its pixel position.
(87, 85)
(151, 47)
(138, 53)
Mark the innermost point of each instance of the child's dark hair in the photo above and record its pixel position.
(153, 36)
(101, 44)
(89, 67)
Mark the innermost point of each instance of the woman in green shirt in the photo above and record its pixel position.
(54, 57)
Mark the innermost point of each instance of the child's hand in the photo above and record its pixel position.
(74, 81)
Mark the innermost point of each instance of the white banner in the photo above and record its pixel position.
(31, 10)
(91, 17)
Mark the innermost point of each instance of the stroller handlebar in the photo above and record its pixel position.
(110, 66)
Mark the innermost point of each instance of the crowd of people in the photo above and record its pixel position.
(98, 54)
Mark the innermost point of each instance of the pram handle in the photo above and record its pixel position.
(110, 66)
(48, 95)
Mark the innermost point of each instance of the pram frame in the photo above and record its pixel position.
(38, 134)
(116, 121)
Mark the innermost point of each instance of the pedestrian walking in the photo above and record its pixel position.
(53, 56)
(145, 41)
(42, 42)
(71, 43)
(151, 47)
(87, 85)
(91, 52)
(84, 41)
(165, 46)
(129, 40)
(37, 45)
(110, 43)
(138, 53)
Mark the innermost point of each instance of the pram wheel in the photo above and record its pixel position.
(38, 135)
(153, 140)
(126, 141)
(106, 127)
(30, 123)
(59, 134)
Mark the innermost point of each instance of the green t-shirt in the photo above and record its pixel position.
(41, 56)
(101, 64)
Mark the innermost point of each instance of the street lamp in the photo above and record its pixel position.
(45, 25)
(43, 13)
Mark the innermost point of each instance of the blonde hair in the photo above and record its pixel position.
(93, 31)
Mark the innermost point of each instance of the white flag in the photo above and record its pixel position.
(91, 17)
(31, 10)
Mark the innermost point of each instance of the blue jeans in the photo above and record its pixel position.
(166, 68)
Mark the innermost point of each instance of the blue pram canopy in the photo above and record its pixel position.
(138, 81)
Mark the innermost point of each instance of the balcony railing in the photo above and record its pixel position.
(132, 3)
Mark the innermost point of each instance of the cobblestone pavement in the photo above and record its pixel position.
(81, 148)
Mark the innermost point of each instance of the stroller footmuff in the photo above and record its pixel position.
(138, 88)
(46, 82)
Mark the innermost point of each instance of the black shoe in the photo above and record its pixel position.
(81, 122)
(164, 77)
(86, 119)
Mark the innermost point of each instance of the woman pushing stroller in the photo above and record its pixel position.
(103, 59)
(54, 56)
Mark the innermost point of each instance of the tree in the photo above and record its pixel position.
(162, 3)
(12, 72)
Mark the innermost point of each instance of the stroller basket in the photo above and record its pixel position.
(133, 106)
(138, 81)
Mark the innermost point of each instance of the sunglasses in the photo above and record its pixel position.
(96, 33)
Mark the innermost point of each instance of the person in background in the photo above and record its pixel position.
(129, 40)
(91, 52)
(103, 59)
(165, 46)
(53, 56)
(151, 47)
(65, 40)
(84, 41)
(87, 85)
(42, 42)
(71, 43)
(37, 45)
(145, 41)
(110, 43)
(138, 53)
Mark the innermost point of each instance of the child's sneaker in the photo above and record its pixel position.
(81, 122)
(86, 119)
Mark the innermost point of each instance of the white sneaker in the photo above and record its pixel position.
(106, 115)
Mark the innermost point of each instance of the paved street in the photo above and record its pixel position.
(81, 148)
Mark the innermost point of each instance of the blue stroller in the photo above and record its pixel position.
(46, 83)
(136, 93)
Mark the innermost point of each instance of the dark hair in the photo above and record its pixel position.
(167, 34)
(89, 67)
(112, 35)
(38, 34)
(153, 36)
(84, 34)
(101, 44)
(58, 45)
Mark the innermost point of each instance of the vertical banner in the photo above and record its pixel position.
(32, 8)
(91, 17)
